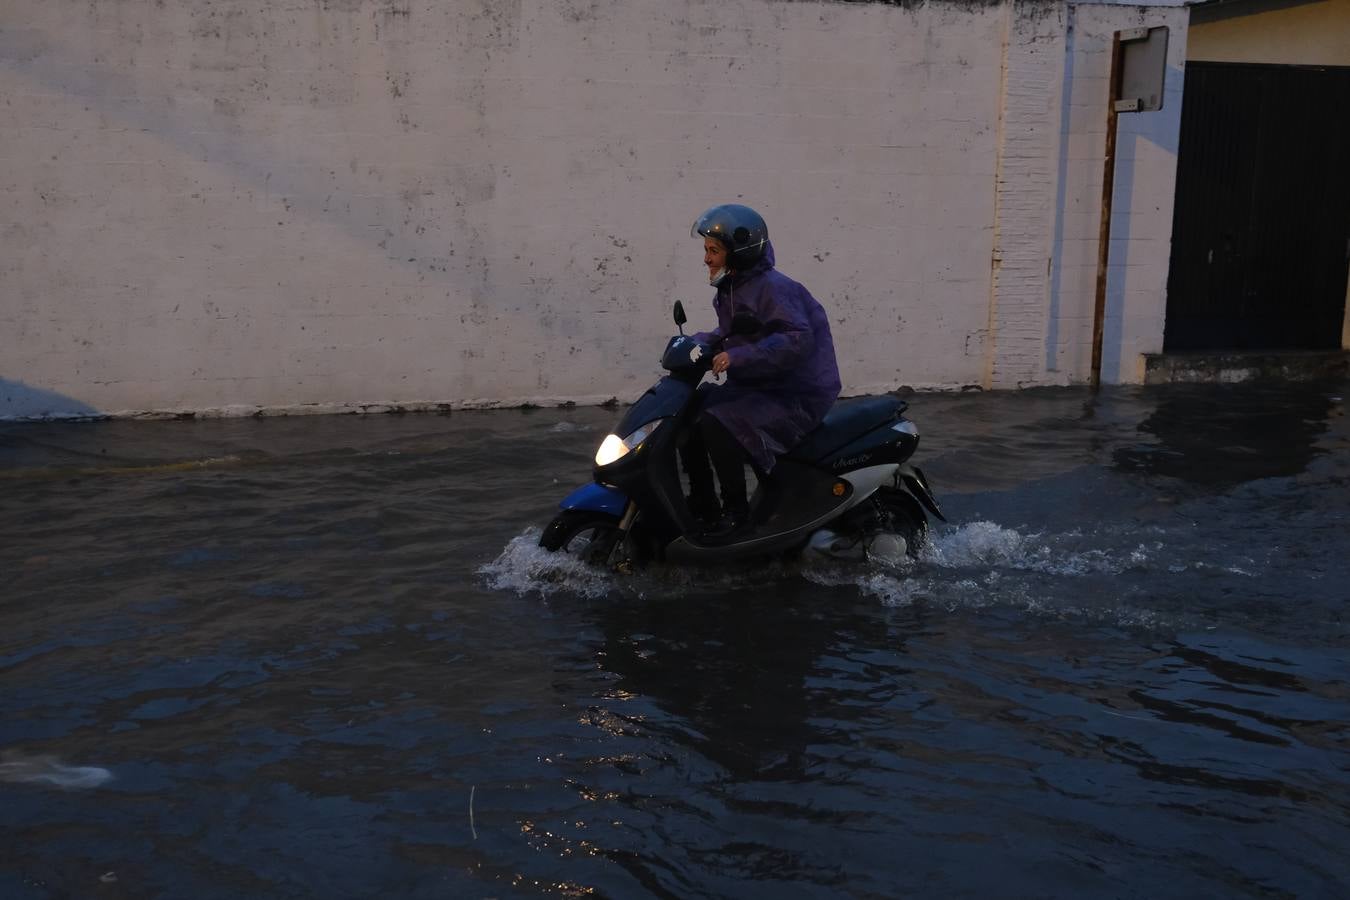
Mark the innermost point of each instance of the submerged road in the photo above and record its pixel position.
(323, 657)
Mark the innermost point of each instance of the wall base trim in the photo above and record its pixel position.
(1237, 366)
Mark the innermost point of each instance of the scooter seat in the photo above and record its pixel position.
(844, 422)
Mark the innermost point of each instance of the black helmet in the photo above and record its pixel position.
(740, 228)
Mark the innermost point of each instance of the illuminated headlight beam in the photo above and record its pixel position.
(614, 448)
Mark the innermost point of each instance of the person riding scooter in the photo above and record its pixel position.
(846, 491)
(782, 377)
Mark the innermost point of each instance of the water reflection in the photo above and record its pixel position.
(728, 703)
(1219, 438)
(731, 679)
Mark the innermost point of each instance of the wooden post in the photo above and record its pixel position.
(1104, 237)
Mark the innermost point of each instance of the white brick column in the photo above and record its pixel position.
(1025, 191)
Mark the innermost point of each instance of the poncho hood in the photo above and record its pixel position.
(762, 265)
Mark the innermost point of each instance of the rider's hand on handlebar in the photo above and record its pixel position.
(721, 362)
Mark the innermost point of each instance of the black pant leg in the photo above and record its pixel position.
(694, 455)
(728, 458)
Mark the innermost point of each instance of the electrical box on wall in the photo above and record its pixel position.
(1143, 69)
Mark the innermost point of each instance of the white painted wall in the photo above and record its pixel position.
(1141, 208)
(298, 205)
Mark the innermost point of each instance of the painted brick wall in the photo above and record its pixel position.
(270, 204)
(293, 205)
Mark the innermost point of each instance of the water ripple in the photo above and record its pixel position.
(334, 661)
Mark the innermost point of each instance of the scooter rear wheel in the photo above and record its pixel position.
(587, 535)
(902, 515)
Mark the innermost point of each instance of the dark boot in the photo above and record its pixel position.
(734, 524)
(703, 506)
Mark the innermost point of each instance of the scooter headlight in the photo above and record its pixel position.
(614, 448)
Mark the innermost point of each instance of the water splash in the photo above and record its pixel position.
(978, 565)
(1071, 554)
(48, 770)
(983, 544)
(983, 564)
(523, 566)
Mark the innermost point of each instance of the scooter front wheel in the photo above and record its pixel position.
(585, 534)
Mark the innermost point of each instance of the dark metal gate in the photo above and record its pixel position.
(1261, 232)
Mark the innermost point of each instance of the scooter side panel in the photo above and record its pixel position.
(866, 481)
(880, 446)
(796, 495)
(796, 500)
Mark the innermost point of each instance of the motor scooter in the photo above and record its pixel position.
(846, 491)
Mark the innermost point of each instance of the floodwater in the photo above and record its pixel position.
(323, 657)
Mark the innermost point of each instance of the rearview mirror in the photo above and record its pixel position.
(680, 317)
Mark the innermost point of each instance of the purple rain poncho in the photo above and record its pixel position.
(782, 379)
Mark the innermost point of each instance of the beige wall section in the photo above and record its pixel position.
(322, 204)
(1345, 321)
(1268, 31)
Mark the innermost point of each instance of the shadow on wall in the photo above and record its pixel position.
(23, 401)
(1164, 132)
